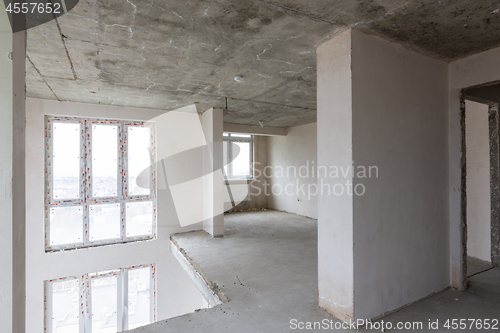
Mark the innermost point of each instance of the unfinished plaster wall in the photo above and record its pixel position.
(401, 251)
(296, 155)
(176, 294)
(478, 181)
(467, 72)
(384, 244)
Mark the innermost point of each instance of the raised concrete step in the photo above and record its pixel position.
(210, 291)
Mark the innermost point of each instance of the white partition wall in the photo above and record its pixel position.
(381, 111)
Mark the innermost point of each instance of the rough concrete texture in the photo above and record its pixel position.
(494, 183)
(169, 54)
(267, 267)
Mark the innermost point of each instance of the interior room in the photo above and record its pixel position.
(250, 166)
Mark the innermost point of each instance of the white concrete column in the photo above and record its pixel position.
(382, 208)
(213, 195)
(12, 180)
(335, 214)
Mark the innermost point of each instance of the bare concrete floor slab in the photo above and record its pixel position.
(475, 266)
(267, 267)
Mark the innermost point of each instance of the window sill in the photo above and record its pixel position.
(238, 181)
(64, 248)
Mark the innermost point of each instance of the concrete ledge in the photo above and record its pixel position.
(210, 291)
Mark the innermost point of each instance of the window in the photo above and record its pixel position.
(237, 154)
(100, 182)
(112, 301)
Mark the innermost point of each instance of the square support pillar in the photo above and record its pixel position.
(382, 205)
(335, 214)
(12, 179)
(213, 186)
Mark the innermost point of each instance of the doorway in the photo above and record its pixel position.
(481, 180)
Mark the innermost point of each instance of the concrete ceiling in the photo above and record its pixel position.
(172, 53)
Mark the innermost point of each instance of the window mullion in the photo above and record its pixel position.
(124, 175)
(87, 185)
(88, 302)
(152, 293)
(83, 306)
(230, 160)
(121, 301)
(48, 307)
(250, 158)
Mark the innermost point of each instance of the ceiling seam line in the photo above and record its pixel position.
(41, 76)
(286, 105)
(298, 12)
(65, 47)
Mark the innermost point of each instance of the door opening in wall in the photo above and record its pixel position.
(480, 182)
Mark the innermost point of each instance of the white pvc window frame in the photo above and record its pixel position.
(85, 293)
(86, 197)
(228, 175)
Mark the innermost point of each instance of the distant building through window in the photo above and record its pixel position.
(112, 301)
(100, 182)
(237, 155)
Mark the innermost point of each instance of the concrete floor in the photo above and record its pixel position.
(475, 266)
(267, 266)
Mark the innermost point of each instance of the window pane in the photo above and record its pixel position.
(65, 306)
(224, 157)
(139, 144)
(241, 163)
(139, 304)
(104, 160)
(66, 160)
(239, 135)
(66, 225)
(139, 218)
(104, 221)
(103, 294)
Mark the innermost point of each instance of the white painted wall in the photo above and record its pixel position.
(6, 157)
(470, 71)
(478, 181)
(401, 253)
(12, 196)
(297, 149)
(176, 294)
(382, 105)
